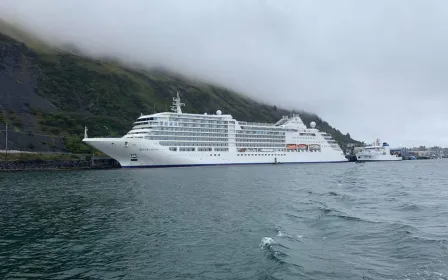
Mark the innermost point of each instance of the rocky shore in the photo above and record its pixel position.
(28, 165)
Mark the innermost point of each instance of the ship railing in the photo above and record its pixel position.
(256, 124)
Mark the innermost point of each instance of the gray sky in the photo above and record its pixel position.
(370, 68)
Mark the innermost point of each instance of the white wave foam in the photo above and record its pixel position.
(266, 242)
(281, 234)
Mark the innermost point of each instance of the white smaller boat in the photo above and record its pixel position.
(377, 152)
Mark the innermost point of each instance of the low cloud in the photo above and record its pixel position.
(374, 69)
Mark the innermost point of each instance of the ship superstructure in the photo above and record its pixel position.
(377, 152)
(180, 139)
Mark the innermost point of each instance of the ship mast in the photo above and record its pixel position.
(176, 108)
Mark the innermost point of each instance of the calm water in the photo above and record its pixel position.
(323, 221)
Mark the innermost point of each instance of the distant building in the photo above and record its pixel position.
(421, 153)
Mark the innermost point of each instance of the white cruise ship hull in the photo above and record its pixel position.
(147, 153)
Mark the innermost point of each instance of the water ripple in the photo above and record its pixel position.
(343, 221)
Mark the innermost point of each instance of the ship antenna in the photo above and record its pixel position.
(177, 104)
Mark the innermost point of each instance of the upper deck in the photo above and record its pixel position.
(177, 121)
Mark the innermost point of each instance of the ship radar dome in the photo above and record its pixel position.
(205, 113)
(218, 112)
(313, 124)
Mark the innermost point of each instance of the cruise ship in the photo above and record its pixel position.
(175, 139)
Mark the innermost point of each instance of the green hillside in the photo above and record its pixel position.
(48, 96)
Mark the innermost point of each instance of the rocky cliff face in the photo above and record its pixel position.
(18, 95)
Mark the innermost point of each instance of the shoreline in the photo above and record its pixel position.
(56, 165)
(68, 164)
(56, 169)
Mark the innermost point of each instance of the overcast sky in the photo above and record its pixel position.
(370, 68)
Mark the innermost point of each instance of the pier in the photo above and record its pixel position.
(104, 162)
(28, 161)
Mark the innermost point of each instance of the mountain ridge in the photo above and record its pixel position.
(49, 95)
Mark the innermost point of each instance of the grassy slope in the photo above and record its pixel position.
(99, 94)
